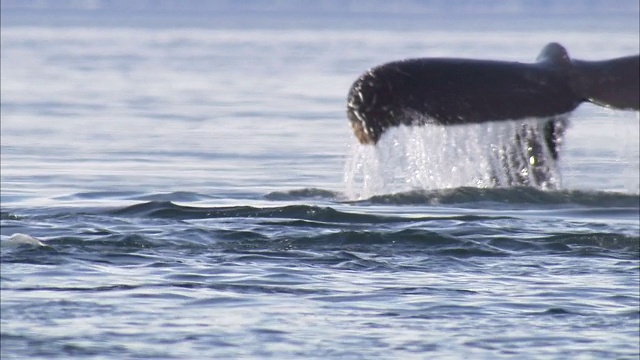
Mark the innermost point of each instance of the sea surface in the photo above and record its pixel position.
(192, 190)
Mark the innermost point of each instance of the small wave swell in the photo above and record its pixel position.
(474, 197)
(511, 195)
(170, 210)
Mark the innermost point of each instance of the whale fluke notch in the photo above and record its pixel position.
(448, 91)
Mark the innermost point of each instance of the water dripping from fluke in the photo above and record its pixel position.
(485, 155)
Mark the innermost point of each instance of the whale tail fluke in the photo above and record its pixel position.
(462, 91)
(610, 83)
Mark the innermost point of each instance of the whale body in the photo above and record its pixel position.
(447, 91)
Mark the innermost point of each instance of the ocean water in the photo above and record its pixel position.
(191, 190)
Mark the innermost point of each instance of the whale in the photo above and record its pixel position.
(457, 91)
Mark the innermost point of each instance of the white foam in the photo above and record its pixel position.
(19, 239)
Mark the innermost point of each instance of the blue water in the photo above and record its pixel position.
(187, 186)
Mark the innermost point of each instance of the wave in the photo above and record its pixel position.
(474, 197)
(463, 196)
(308, 213)
(512, 195)
(470, 223)
(412, 245)
(354, 226)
